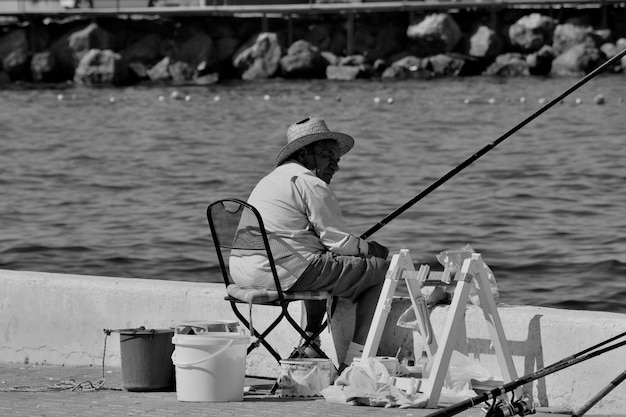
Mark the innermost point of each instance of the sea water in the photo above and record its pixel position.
(115, 182)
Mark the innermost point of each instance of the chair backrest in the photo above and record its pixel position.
(236, 224)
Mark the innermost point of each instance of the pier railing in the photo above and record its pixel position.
(95, 8)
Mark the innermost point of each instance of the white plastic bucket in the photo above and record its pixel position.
(210, 367)
(304, 377)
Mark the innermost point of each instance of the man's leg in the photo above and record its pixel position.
(355, 278)
(315, 311)
(366, 303)
(365, 309)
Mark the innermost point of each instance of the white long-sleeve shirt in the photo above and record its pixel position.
(303, 218)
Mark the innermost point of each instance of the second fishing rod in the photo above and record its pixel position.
(519, 407)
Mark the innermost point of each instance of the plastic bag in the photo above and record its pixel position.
(366, 382)
(461, 370)
(453, 259)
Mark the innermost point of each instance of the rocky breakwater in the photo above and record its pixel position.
(104, 52)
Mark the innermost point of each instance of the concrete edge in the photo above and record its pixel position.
(59, 319)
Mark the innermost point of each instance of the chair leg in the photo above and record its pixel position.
(259, 336)
(308, 340)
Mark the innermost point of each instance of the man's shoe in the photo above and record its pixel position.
(309, 352)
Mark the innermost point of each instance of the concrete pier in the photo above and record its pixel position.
(59, 319)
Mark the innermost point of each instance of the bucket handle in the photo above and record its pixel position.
(189, 364)
(311, 372)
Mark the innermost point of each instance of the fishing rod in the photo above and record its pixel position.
(620, 378)
(490, 146)
(521, 407)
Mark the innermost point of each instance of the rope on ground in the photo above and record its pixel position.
(67, 385)
(70, 384)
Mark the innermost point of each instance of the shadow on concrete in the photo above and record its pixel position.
(530, 350)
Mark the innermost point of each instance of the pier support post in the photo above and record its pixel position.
(494, 22)
(290, 29)
(350, 35)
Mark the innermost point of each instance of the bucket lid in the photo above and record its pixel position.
(198, 327)
(208, 322)
(142, 330)
(308, 361)
(293, 362)
(380, 358)
(210, 338)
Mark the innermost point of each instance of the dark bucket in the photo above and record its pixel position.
(146, 357)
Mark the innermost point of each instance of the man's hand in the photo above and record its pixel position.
(377, 250)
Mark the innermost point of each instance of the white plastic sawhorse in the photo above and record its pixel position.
(401, 267)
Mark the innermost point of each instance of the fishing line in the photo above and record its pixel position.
(490, 146)
(560, 365)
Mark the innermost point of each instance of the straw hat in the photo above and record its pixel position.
(307, 131)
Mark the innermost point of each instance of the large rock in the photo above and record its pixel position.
(484, 42)
(44, 69)
(621, 45)
(181, 72)
(568, 35)
(435, 34)
(207, 79)
(67, 50)
(226, 48)
(379, 41)
(160, 71)
(540, 62)
(13, 41)
(321, 35)
(259, 57)
(609, 50)
(331, 58)
(342, 72)
(532, 32)
(17, 65)
(226, 42)
(137, 70)
(303, 60)
(510, 65)
(91, 37)
(62, 62)
(195, 49)
(349, 68)
(443, 65)
(98, 68)
(408, 67)
(602, 36)
(578, 60)
(146, 50)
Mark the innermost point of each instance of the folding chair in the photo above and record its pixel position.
(236, 225)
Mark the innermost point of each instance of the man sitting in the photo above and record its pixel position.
(302, 215)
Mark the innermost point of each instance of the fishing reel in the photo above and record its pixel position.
(521, 407)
